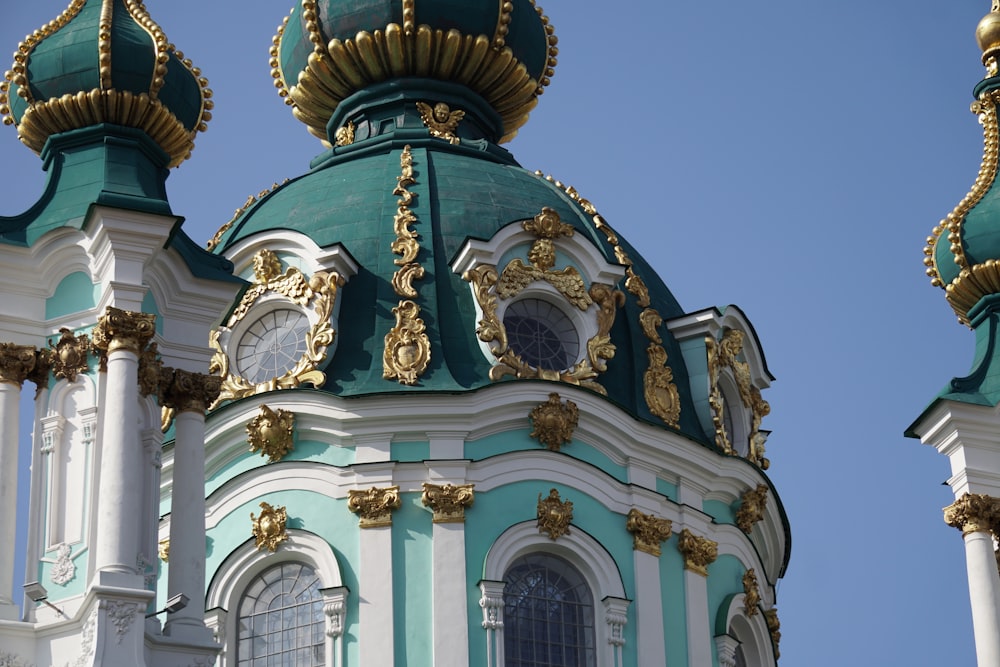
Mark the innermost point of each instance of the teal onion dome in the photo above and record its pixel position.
(327, 50)
(105, 61)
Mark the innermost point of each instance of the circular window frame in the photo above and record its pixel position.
(584, 330)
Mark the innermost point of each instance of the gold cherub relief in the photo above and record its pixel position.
(272, 433)
(441, 121)
(269, 528)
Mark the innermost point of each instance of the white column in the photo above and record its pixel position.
(16, 361)
(119, 497)
(978, 517)
(651, 645)
(189, 394)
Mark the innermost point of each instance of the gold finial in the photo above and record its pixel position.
(988, 38)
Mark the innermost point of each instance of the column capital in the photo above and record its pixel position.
(124, 330)
(374, 505)
(699, 552)
(448, 501)
(648, 531)
(188, 391)
(16, 362)
(974, 512)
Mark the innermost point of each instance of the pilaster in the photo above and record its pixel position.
(699, 552)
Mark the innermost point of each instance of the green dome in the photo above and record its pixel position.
(466, 191)
(105, 61)
(327, 50)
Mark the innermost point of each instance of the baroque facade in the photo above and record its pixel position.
(415, 406)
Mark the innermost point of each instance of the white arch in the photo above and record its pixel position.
(751, 632)
(246, 562)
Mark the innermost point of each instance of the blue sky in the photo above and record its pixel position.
(786, 156)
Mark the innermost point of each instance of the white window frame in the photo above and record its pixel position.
(584, 553)
(749, 633)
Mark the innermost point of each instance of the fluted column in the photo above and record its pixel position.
(16, 361)
(978, 517)
(189, 394)
(121, 335)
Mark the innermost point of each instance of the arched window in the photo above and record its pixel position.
(548, 614)
(281, 619)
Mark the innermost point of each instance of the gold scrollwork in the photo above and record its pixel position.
(16, 362)
(488, 285)
(553, 422)
(374, 506)
(441, 121)
(751, 509)
(163, 549)
(699, 552)
(405, 244)
(344, 136)
(751, 593)
(648, 531)
(123, 329)
(554, 515)
(150, 367)
(974, 512)
(272, 433)
(70, 355)
(407, 347)
(725, 354)
(269, 528)
(448, 501)
(251, 200)
(659, 389)
(774, 627)
(318, 292)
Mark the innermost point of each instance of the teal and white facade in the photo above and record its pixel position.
(417, 406)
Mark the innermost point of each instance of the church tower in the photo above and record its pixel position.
(963, 421)
(416, 406)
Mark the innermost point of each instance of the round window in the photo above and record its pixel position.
(272, 345)
(541, 334)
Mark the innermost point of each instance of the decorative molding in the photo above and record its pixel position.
(648, 531)
(725, 647)
(163, 549)
(344, 136)
(319, 293)
(374, 506)
(87, 639)
(40, 373)
(16, 362)
(184, 391)
(751, 593)
(725, 354)
(751, 510)
(659, 390)
(272, 433)
(488, 285)
(336, 614)
(405, 245)
(491, 602)
(774, 627)
(121, 614)
(974, 512)
(616, 616)
(441, 121)
(251, 200)
(13, 660)
(553, 422)
(70, 355)
(448, 501)
(699, 552)
(554, 515)
(121, 329)
(150, 370)
(269, 528)
(407, 348)
(63, 570)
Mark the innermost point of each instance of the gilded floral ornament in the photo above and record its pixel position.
(448, 501)
(71, 355)
(374, 506)
(121, 329)
(699, 552)
(441, 121)
(751, 593)
(269, 528)
(554, 515)
(774, 627)
(163, 549)
(751, 509)
(554, 422)
(150, 367)
(725, 354)
(407, 348)
(251, 200)
(317, 293)
(489, 286)
(272, 433)
(405, 245)
(16, 362)
(185, 391)
(648, 531)
(659, 389)
(974, 512)
(344, 136)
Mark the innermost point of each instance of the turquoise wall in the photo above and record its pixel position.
(74, 294)
(511, 441)
(304, 450)
(725, 578)
(412, 581)
(720, 511)
(673, 596)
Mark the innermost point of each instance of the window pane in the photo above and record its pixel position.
(279, 624)
(548, 614)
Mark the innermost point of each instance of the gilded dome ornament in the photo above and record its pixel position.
(441, 121)
(269, 528)
(554, 515)
(725, 354)
(553, 422)
(271, 433)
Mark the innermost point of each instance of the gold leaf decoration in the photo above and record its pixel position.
(407, 348)
(441, 121)
(554, 515)
(553, 422)
(269, 528)
(272, 433)
(448, 501)
(374, 506)
(648, 531)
